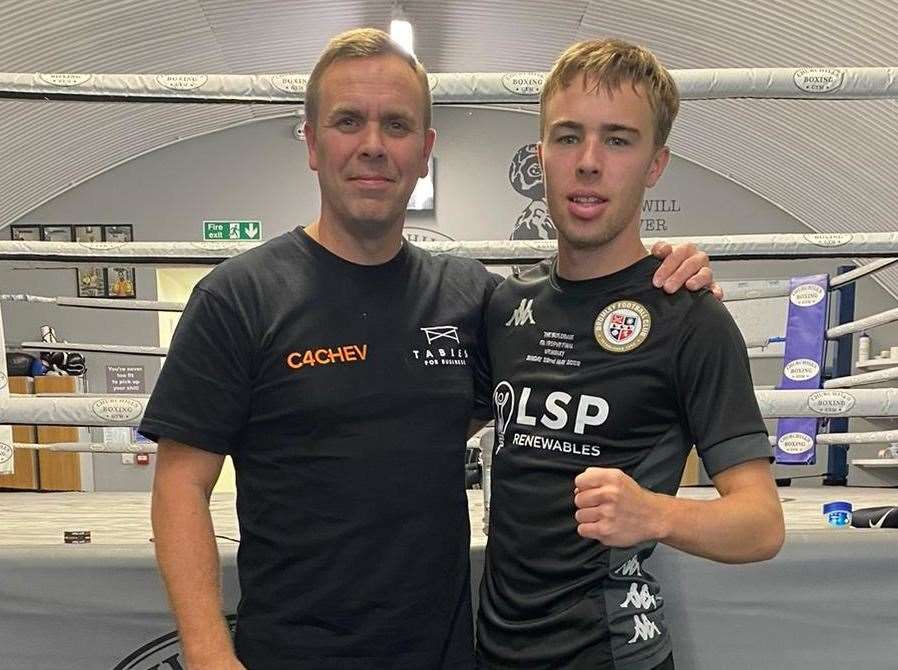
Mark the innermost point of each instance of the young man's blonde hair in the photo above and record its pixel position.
(609, 64)
(361, 43)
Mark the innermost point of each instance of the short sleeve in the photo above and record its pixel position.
(203, 393)
(715, 389)
(483, 382)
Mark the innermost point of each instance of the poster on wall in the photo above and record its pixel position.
(92, 283)
(121, 233)
(25, 233)
(125, 379)
(56, 233)
(121, 283)
(88, 233)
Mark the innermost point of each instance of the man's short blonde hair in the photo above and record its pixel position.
(609, 64)
(361, 43)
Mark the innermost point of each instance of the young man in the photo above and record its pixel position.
(602, 384)
(341, 368)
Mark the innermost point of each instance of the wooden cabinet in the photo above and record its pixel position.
(59, 471)
(37, 469)
(25, 475)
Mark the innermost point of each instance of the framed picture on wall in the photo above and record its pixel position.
(56, 233)
(92, 283)
(88, 233)
(122, 233)
(25, 233)
(121, 283)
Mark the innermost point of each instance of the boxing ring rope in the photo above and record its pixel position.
(96, 303)
(872, 321)
(131, 350)
(874, 377)
(493, 251)
(805, 83)
(779, 288)
(490, 252)
(126, 410)
(91, 447)
(862, 271)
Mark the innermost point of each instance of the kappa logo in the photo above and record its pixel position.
(438, 332)
(641, 599)
(522, 314)
(643, 629)
(630, 568)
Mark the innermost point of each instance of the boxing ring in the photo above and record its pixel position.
(824, 602)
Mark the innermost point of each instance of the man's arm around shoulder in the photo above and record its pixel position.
(187, 553)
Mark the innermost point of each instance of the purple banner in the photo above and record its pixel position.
(803, 364)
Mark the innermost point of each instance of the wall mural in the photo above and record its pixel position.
(526, 178)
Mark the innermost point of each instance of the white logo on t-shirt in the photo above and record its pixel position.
(522, 314)
(437, 332)
(643, 629)
(630, 568)
(641, 599)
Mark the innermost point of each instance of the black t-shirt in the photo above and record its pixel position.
(608, 372)
(343, 394)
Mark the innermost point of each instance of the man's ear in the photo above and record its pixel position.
(430, 137)
(308, 130)
(657, 166)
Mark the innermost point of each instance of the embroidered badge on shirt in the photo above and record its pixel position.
(622, 326)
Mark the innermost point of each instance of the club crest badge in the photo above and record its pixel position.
(622, 326)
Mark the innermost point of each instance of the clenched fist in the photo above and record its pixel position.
(613, 509)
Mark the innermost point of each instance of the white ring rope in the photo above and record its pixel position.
(754, 289)
(858, 438)
(864, 378)
(97, 303)
(120, 410)
(828, 403)
(831, 83)
(107, 411)
(495, 252)
(129, 349)
(872, 321)
(862, 271)
(874, 437)
(91, 447)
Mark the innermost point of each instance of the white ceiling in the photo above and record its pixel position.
(830, 164)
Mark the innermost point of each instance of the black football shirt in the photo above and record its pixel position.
(607, 372)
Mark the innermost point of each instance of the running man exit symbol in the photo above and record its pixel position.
(241, 231)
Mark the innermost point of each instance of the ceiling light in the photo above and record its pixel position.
(401, 29)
